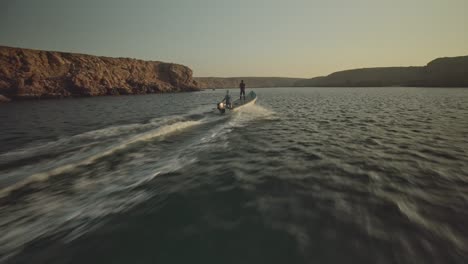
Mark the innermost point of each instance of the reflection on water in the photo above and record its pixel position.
(367, 175)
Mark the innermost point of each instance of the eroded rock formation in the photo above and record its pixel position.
(26, 73)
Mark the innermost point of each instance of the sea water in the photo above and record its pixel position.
(308, 175)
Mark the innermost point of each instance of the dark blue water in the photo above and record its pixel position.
(308, 175)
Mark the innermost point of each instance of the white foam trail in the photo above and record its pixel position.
(257, 110)
(91, 138)
(250, 113)
(113, 192)
(163, 131)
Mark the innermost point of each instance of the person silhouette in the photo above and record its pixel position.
(242, 89)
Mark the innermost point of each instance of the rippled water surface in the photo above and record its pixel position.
(308, 175)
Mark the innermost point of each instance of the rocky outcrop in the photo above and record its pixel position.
(252, 82)
(26, 73)
(442, 72)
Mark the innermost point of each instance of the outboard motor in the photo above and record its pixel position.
(222, 107)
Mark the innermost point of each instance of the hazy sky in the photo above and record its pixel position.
(296, 38)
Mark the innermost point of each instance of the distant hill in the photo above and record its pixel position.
(252, 82)
(441, 72)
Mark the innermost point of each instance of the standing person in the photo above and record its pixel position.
(242, 89)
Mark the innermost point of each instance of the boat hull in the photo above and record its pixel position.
(250, 99)
(251, 102)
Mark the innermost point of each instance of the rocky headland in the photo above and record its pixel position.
(26, 73)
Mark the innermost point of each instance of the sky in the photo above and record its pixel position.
(227, 38)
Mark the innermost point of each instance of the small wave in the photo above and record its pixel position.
(411, 211)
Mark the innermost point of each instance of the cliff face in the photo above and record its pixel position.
(251, 82)
(26, 73)
(442, 72)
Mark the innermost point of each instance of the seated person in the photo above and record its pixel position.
(227, 100)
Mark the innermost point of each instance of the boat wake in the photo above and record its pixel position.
(160, 132)
(68, 185)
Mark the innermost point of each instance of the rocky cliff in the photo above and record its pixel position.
(26, 73)
(442, 72)
(251, 82)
